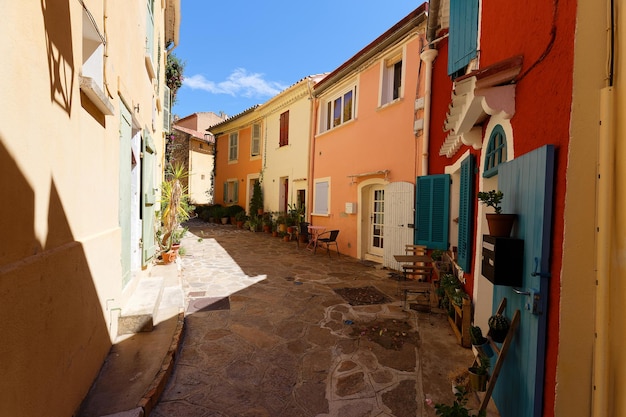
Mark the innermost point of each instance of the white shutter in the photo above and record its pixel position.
(399, 215)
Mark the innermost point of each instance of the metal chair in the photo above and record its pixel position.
(326, 239)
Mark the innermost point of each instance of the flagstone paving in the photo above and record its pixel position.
(268, 335)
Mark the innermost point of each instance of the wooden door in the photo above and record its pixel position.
(125, 192)
(527, 184)
(377, 221)
(147, 199)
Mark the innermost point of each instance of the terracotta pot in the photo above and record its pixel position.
(240, 224)
(168, 257)
(267, 229)
(477, 382)
(500, 225)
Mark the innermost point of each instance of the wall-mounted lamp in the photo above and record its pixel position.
(137, 108)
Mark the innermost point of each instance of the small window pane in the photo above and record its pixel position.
(337, 112)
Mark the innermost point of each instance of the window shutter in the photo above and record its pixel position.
(321, 197)
(463, 34)
(167, 98)
(466, 213)
(432, 211)
(256, 139)
(225, 191)
(235, 191)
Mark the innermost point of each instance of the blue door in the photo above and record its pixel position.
(527, 184)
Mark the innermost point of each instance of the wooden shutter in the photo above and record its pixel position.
(235, 191)
(225, 191)
(466, 213)
(167, 101)
(432, 211)
(256, 140)
(463, 34)
(284, 129)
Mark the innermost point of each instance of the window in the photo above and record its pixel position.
(340, 109)
(255, 146)
(391, 88)
(496, 151)
(233, 147)
(92, 71)
(432, 211)
(322, 197)
(231, 191)
(463, 35)
(284, 129)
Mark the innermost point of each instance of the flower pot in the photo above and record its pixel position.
(286, 238)
(282, 227)
(477, 382)
(498, 335)
(267, 228)
(225, 220)
(500, 225)
(484, 349)
(274, 234)
(240, 224)
(168, 257)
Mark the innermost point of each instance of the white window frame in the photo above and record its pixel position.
(387, 77)
(255, 142)
(328, 108)
(233, 147)
(321, 197)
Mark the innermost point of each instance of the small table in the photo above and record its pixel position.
(314, 232)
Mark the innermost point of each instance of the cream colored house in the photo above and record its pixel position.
(90, 76)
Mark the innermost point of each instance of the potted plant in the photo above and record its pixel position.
(233, 211)
(256, 201)
(478, 374)
(240, 219)
(499, 224)
(459, 379)
(480, 342)
(458, 407)
(267, 222)
(175, 208)
(498, 327)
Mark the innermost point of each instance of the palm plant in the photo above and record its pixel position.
(175, 207)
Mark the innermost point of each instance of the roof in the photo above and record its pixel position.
(203, 136)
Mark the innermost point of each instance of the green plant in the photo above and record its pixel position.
(458, 407)
(175, 207)
(476, 336)
(182, 251)
(241, 216)
(437, 255)
(178, 234)
(499, 322)
(491, 198)
(174, 69)
(234, 209)
(256, 201)
(296, 213)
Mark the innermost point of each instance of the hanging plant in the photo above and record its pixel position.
(174, 74)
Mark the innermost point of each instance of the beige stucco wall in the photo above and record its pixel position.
(60, 278)
(200, 171)
(290, 161)
(575, 366)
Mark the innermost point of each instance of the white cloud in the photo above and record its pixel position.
(239, 83)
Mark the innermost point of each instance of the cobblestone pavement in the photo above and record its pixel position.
(268, 335)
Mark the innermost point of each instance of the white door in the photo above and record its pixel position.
(399, 217)
(377, 220)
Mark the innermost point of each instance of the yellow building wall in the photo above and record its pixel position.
(200, 171)
(60, 275)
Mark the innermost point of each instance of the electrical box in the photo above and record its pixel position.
(503, 260)
(350, 208)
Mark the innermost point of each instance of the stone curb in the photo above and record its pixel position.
(154, 391)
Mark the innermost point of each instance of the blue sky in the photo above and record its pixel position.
(238, 53)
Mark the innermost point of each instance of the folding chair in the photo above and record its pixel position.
(326, 239)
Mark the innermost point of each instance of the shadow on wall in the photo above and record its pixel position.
(54, 337)
(58, 27)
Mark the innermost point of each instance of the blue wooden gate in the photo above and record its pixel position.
(527, 184)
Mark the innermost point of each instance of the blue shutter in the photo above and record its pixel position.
(463, 34)
(466, 213)
(432, 208)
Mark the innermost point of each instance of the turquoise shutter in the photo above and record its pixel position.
(466, 213)
(463, 34)
(432, 211)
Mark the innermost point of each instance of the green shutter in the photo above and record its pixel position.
(466, 213)
(463, 34)
(235, 192)
(226, 192)
(432, 211)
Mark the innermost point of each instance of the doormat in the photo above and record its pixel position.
(208, 304)
(362, 296)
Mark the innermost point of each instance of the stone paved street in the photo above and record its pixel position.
(268, 335)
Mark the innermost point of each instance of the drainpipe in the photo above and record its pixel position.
(311, 159)
(604, 207)
(428, 57)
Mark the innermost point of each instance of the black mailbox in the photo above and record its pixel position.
(503, 260)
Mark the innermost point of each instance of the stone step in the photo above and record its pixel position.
(138, 314)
